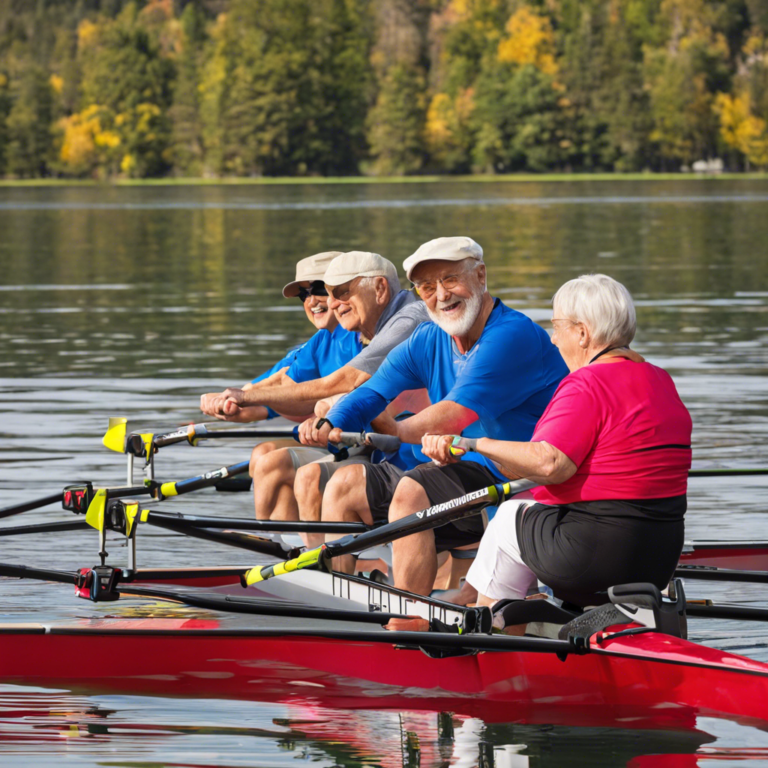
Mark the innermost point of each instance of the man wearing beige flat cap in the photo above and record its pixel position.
(329, 349)
(365, 295)
(488, 370)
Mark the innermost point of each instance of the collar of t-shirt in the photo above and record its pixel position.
(462, 358)
(403, 299)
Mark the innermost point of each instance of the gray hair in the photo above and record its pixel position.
(392, 282)
(604, 305)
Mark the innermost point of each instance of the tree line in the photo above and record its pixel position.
(191, 88)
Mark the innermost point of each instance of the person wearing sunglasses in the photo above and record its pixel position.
(330, 348)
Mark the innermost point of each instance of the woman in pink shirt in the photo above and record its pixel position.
(611, 453)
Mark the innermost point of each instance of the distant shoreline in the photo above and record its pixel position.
(307, 180)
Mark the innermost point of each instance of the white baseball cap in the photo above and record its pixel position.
(354, 264)
(308, 270)
(444, 249)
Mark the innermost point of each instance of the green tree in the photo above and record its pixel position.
(284, 89)
(124, 73)
(28, 125)
(397, 120)
(518, 121)
(188, 147)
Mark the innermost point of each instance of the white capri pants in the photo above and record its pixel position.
(498, 571)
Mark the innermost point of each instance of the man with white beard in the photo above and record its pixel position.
(489, 371)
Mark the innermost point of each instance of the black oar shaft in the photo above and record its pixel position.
(705, 573)
(209, 479)
(182, 522)
(714, 611)
(230, 538)
(66, 525)
(43, 574)
(261, 607)
(17, 509)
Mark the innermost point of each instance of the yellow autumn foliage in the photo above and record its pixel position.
(87, 34)
(530, 40)
(56, 83)
(741, 129)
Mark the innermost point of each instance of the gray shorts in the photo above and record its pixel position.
(305, 455)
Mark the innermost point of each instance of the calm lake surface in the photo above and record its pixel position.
(133, 301)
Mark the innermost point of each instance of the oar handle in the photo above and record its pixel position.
(385, 443)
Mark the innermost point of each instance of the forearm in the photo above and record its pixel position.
(297, 399)
(443, 418)
(538, 461)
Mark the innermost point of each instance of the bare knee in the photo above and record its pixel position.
(306, 486)
(276, 463)
(262, 449)
(409, 497)
(339, 500)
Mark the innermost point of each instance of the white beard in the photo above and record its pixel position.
(460, 324)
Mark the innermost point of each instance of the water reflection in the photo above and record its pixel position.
(139, 731)
(112, 305)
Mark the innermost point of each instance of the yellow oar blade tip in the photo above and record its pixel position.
(253, 576)
(114, 439)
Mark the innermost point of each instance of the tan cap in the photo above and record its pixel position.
(354, 264)
(310, 269)
(444, 249)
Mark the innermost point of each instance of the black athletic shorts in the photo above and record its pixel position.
(578, 552)
(441, 484)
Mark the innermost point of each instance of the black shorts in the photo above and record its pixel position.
(579, 554)
(441, 484)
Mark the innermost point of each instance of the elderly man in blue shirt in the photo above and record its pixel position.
(489, 371)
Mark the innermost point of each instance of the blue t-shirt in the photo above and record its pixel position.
(507, 378)
(324, 353)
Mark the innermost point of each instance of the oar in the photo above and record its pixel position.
(28, 506)
(711, 573)
(77, 498)
(66, 525)
(432, 517)
(710, 610)
(145, 444)
(728, 472)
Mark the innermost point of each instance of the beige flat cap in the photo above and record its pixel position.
(444, 249)
(354, 264)
(310, 269)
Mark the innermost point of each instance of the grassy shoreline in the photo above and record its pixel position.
(303, 180)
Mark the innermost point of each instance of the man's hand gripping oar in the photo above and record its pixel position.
(432, 517)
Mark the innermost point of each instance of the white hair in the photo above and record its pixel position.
(604, 305)
(392, 282)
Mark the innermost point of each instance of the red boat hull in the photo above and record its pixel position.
(645, 680)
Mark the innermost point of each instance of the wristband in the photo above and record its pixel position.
(319, 423)
(462, 445)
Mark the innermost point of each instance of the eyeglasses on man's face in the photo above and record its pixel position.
(316, 288)
(427, 288)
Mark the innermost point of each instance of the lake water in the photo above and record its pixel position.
(133, 301)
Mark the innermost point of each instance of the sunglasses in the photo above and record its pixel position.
(316, 288)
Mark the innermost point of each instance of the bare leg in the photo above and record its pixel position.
(345, 501)
(414, 558)
(262, 449)
(273, 476)
(309, 498)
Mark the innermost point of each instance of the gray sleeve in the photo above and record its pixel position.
(397, 330)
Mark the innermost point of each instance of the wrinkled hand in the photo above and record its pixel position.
(438, 448)
(211, 403)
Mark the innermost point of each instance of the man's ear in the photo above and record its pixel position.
(382, 290)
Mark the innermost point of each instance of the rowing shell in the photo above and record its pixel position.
(640, 680)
